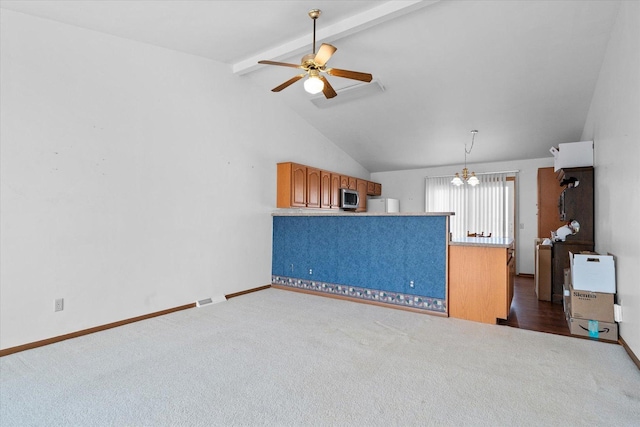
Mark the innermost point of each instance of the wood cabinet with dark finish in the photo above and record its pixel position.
(548, 194)
(576, 202)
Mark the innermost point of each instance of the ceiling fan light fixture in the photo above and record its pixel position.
(313, 84)
(313, 64)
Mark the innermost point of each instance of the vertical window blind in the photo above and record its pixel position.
(480, 209)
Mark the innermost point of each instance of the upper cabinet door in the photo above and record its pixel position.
(335, 191)
(325, 190)
(371, 188)
(313, 187)
(298, 185)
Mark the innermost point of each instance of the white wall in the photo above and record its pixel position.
(409, 187)
(614, 125)
(133, 178)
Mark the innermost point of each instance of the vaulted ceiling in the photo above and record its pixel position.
(520, 72)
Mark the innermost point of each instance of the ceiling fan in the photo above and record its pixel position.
(314, 64)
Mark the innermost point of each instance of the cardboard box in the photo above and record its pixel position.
(593, 272)
(572, 155)
(593, 329)
(590, 305)
(543, 272)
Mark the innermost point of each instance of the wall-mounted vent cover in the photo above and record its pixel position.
(349, 93)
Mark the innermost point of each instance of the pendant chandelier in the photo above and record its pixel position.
(472, 179)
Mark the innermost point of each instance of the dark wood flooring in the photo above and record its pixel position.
(529, 313)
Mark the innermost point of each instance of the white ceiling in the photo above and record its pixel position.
(521, 72)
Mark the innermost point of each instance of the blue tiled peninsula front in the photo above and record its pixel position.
(395, 259)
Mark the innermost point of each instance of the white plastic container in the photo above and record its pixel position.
(593, 272)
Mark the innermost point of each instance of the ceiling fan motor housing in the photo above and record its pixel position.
(308, 61)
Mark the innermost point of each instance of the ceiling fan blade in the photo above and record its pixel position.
(355, 75)
(282, 64)
(328, 89)
(288, 82)
(324, 53)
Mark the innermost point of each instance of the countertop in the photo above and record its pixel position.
(496, 242)
(327, 212)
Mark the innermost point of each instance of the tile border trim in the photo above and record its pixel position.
(419, 302)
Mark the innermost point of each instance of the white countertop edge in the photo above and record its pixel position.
(318, 212)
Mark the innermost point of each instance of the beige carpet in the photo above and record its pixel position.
(281, 358)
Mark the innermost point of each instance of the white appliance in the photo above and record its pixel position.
(383, 205)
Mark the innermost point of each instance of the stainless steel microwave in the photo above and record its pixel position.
(349, 199)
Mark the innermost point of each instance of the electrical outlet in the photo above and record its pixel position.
(521, 226)
(411, 285)
(59, 305)
(310, 271)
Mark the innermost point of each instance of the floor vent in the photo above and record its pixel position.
(209, 301)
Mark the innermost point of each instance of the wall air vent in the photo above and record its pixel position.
(349, 93)
(210, 301)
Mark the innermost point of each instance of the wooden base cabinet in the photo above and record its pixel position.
(481, 280)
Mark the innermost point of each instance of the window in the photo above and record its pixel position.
(485, 208)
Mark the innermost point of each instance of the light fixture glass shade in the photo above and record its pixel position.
(473, 180)
(313, 85)
(457, 181)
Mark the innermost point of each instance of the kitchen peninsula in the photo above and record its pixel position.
(397, 260)
(481, 278)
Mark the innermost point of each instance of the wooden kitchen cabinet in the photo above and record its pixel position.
(301, 186)
(348, 182)
(313, 187)
(361, 186)
(335, 191)
(481, 280)
(371, 188)
(374, 189)
(298, 186)
(325, 190)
